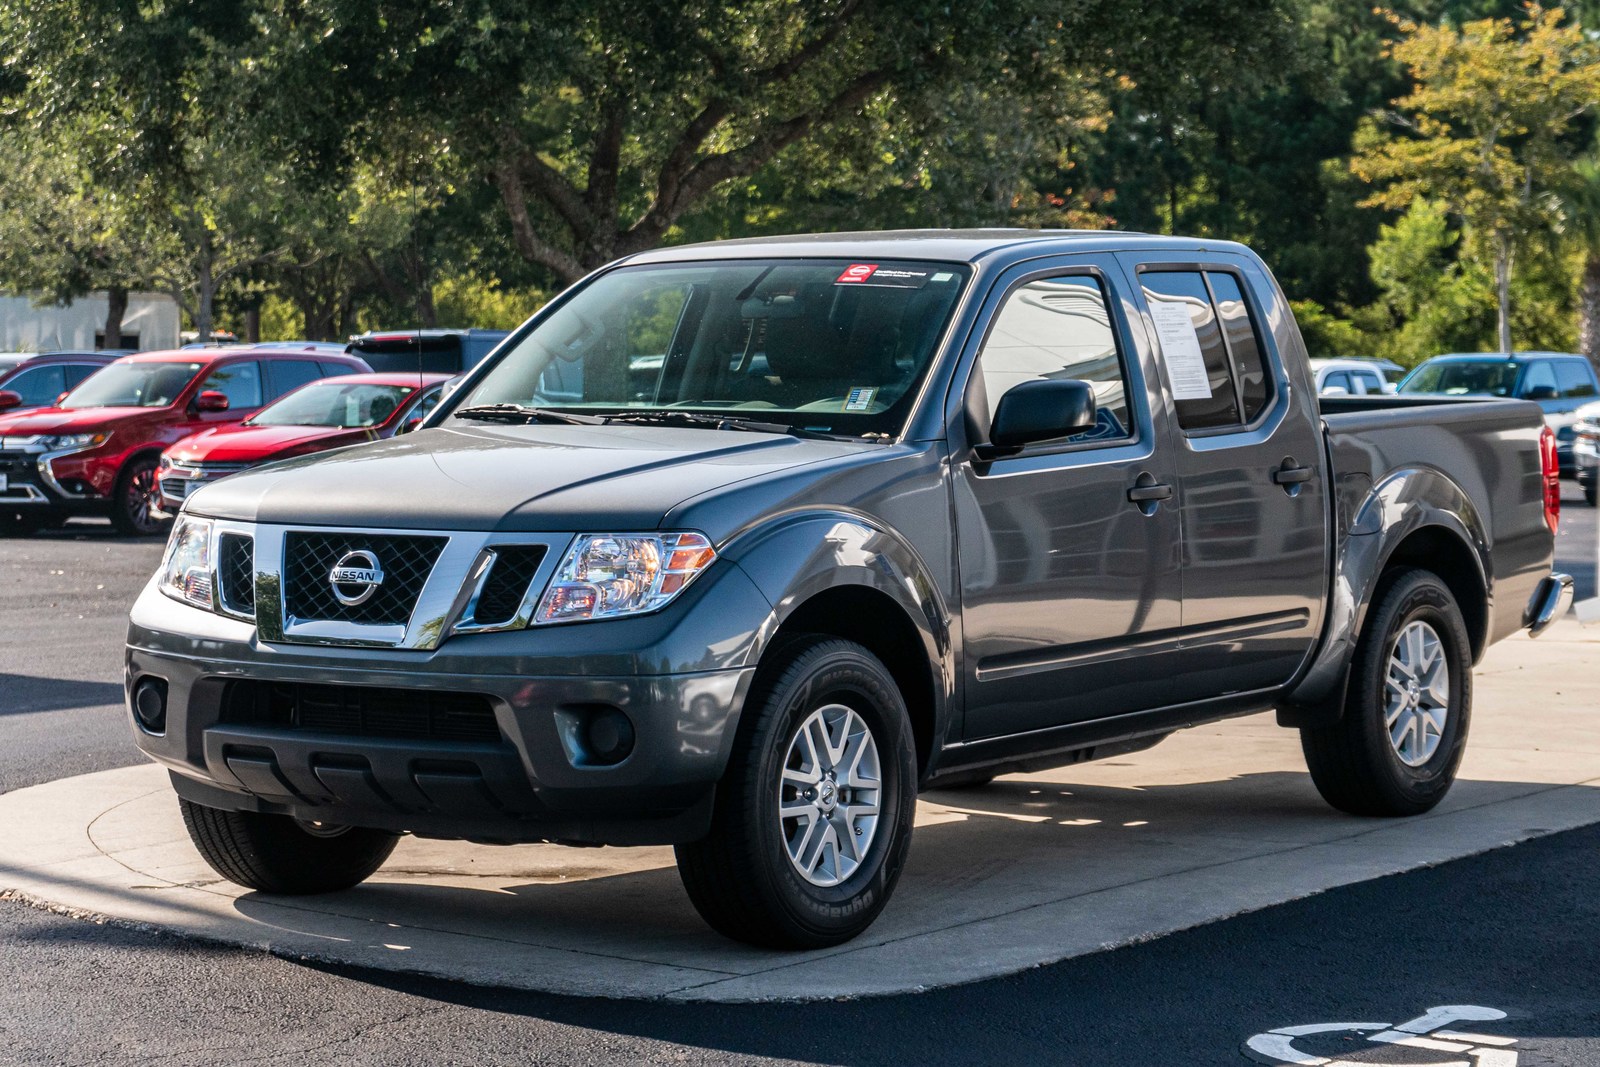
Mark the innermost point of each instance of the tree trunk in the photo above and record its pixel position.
(116, 307)
(1502, 288)
(252, 323)
(206, 293)
(1589, 309)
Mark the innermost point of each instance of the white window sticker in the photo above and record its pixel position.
(1180, 347)
(860, 399)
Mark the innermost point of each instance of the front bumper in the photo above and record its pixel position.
(529, 781)
(56, 480)
(1586, 458)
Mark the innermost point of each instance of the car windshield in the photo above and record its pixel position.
(828, 345)
(1483, 377)
(133, 385)
(349, 405)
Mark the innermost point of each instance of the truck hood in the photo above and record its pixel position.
(525, 478)
(236, 443)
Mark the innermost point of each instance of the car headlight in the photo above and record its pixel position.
(71, 442)
(1586, 427)
(186, 568)
(604, 576)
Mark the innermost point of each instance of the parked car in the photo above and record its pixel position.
(426, 351)
(893, 511)
(1586, 450)
(36, 381)
(1353, 377)
(1558, 382)
(346, 410)
(96, 451)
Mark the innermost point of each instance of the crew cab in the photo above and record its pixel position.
(345, 410)
(737, 546)
(95, 451)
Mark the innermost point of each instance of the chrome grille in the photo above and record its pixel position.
(309, 557)
(236, 571)
(507, 583)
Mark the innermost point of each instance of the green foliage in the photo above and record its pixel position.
(470, 300)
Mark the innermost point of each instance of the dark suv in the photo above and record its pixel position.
(38, 381)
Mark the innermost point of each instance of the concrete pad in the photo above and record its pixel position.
(1032, 869)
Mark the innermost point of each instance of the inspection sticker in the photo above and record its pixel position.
(875, 274)
(1180, 346)
(856, 273)
(860, 398)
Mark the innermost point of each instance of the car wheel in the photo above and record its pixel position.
(1590, 491)
(812, 821)
(134, 502)
(1400, 741)
(280, 854)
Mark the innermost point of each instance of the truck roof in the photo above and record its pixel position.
(962, 246)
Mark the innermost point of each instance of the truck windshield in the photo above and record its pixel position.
(1485, 377)
(820, 344)
(133, 385)
(350, 406)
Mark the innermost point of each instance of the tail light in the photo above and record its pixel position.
(1550, 470)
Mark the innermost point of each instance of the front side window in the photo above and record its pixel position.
(350, 406)
(1058, 328)
(822, 344)
(239, 382)
(133, 385)
(38, 385)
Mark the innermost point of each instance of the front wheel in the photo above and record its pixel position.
(813, 818)
(135, 500)
(280, 854)
(1400, 741)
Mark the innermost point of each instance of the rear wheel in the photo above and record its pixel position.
(279, 854)
(134, 501)
(813, 817)
(1399, 744)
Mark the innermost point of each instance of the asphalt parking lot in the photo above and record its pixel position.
(1511, 930)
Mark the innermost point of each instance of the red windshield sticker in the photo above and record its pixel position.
(856, 272)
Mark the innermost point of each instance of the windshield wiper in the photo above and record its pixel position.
(524, 413)
(716, 422)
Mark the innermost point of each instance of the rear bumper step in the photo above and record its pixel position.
(1548, 603)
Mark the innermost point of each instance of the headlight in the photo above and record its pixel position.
(186, 568)
(72, 442)
(1586, 427)
(607, 575)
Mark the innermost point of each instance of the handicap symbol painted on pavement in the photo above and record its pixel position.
(1434, 1031)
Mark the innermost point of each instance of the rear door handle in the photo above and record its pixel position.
(1287, 475)
(1141, 493)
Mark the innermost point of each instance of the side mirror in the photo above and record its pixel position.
(1041, 411)
(1541, 392)
(57, 401)
(9, 400)
(211, 400)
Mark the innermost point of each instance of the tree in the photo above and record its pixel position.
(1487, 130)
(1582, 197)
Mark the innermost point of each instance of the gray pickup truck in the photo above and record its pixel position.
(737, 546)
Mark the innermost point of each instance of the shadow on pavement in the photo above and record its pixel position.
(21, 694)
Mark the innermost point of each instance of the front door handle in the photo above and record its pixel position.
(1141, 493)
(1147, 493)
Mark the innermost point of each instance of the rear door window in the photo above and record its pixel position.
(77, 372)
(1366, 382)
(1210, 346)
(1576, 378)
(239, 382)
(1059, 328)
(1248, 366)
(287, 375)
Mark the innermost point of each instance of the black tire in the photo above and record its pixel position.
(1353, 763)
(741, 878)
(277, 854)
(134, 500)
(1590, 491)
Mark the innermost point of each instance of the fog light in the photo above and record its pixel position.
(608, 735)
(150, 705)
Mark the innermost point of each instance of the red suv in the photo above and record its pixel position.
(96, 452)
(334, 412)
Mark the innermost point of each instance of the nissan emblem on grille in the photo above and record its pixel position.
(358, 571)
